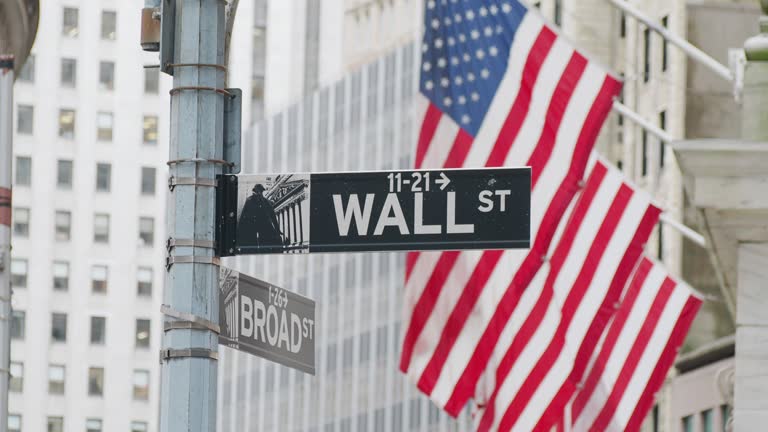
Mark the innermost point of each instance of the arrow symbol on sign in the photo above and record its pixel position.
(443, 181)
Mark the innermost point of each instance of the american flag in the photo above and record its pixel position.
(547, 345)
(638, 348)
(501, 88)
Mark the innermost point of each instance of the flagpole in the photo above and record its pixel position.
(642, 122)
(688, 48)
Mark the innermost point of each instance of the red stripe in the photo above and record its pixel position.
(668, 355)
(557, 105)
(487, 263)
(423, 308)
(458, 317)
(459, 150)
(517, 114)
(534, 318)
(635, 353)
(575, 296)
(465, 386)
(428, 128)
(410, 262)
(590, 383)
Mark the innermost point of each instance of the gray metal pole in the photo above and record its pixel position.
(6, 156)
(189, 369)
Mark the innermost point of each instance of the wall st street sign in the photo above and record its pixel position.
(270, 322)
(449, 209)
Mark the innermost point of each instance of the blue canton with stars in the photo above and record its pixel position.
(464, 55)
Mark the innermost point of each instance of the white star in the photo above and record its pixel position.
(435, 23)
(483, 11)
(441, 62)
(455, 61)
(462, 38)
(424, 48)
(451, 41)
(445, 82)
(457, 18)
(438, 43)
(467, 57)
(447, 20)
(488, 31)
(429, 85)
(494, 10)
(475, 97)
(480, 54)
(447, 101)
(470, 15)
(431, 4)
(427, 66)
(475, 34)
(458, 80)
(470, 77)
(493, 51)
(462, 100)
(506, 8)
(484, 73)
(499, 29)
(465, 119)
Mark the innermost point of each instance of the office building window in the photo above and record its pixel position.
(68, 72)
(25, 120)
(93, 425)
(662, 144)
(151, 80)
(104, 122)
(98, 330)
(101, 228)
(108, 25)
(148, 180)
(381, 342)
(150, 129)
(27, 73)
(623, 26)
(365, 347)
(95, 381)
(558, 12)
(687, 424)
(106, 75)
(707, 424)
(144, 285)
(646, 54)
(655, 418)
(724, 417)
(644, 142)
(19, 271)
(56, 379)
(141, 384)
(55, 424)
(67, 123)
(69, 22)
(60, 276)
(138, 426)
(16, 383)
(147, 231)
(142, 333)
(23, 171)
(660, 241)
(99, 275)
(64, 174)
(18, 325)
(59, 327)
(347, 353)
(62, 225)
(14, 423)
(664, 46)
(103, 177)
(21, 222)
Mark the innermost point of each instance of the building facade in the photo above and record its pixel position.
(88, 224)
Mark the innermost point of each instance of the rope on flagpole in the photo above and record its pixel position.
(688, 48)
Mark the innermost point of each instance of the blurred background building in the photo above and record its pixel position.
(88, 222)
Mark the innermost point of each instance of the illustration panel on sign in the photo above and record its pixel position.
(273, 213)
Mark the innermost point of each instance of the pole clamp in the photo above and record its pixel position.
(187, 321)
(200, 160)
(174, 243)
(168, 354)
(201, 88)
(191, 259)
(190, 181)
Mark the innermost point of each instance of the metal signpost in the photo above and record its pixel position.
(374, 211)
(270, 322)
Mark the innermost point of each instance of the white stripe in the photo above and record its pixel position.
(446, 302)
(441, 144)
(549, 77)
(650, 357)
(525, 37)
(624, 341)
(414, 288)
(503, 274)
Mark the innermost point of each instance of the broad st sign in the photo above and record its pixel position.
(375, 211)
(267, 321)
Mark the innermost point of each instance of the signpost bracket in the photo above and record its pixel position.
(233, 112)
(168, 354)
(167, 35)
(226, 215)
(187, 321)
(174, 243)
(189, 181)
(191, 259)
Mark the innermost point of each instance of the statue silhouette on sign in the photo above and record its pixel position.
(258, 224)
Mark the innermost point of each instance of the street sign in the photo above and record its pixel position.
(449, 209)
(270, 322)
